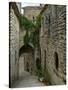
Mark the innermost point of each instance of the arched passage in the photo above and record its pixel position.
(38, 63)
(27, 66)
(25, 49)
(26, 62)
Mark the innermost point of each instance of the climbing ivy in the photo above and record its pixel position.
(32, 28)
(27, 24)
(38, 25)
(26, 38)
(38, 21)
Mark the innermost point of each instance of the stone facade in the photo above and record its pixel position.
(31, 12)
(28, 62)
(51, 53)
(53, 43)
(21, 37)
(21, 65)
(27, 58)
(14, 28)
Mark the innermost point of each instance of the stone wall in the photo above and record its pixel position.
(18, 6)
(21, 65)
(53, 43)
(14, 43)
(31, 12)
(28, 60)
(21, 37)
(26, 63)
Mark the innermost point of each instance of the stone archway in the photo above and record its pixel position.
(26, 52)
(26, 49)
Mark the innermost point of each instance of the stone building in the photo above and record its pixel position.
(51, 53)
(31, 12)
(14, 28)
(27, 58)
(53, 43)
(21, 37)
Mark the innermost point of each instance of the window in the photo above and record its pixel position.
(44, 60)
(33, 18)
(49, 26)
(47, 23)
(56, 60)
(15, 56)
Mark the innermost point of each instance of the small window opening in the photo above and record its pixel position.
(56, 61)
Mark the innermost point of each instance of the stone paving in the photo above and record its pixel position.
(27, 80)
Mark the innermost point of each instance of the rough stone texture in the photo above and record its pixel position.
(36, 57)
(53, 39)
(28, 62)
(21, 37)
(32, 11)
(14, 44)
(21, 65)
(18, 6)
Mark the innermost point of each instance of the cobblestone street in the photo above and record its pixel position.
(27, 80)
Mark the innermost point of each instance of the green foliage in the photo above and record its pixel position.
(40, 74)
(47, 76)
(27, 24)
(35, 38)
(29, 27)
(38, 21)
(26, 38)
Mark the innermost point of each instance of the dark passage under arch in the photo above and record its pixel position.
(38, 63)
(26, 48)
(27, 66)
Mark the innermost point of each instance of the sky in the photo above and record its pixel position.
(29, 4)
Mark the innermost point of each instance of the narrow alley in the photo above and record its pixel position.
(37, 45)
(27, 80)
